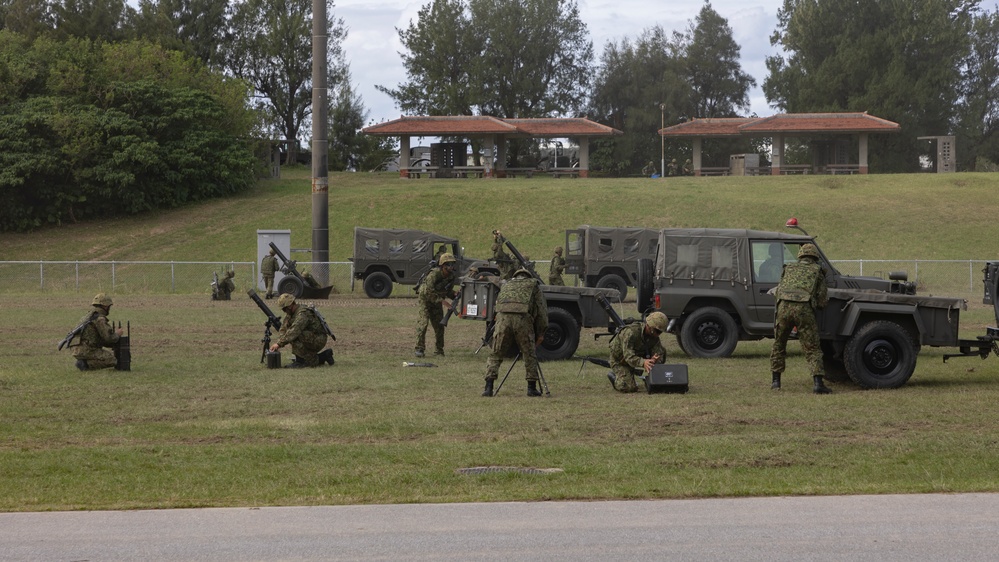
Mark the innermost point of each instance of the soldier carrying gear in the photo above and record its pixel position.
(802, 290)
(268, 268)
(556, 268)
(436, 287)
(521, 321)
(502, 260)
(636, 348)
(223, 289)
(304, 330)
(96, 333)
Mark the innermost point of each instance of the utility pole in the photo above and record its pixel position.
(320, 145)
(662, 141)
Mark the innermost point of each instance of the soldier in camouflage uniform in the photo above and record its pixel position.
(437, 286)
(226, 286)
(556, 268)
(302, 329)
(99, 334)
(801, 290)
(636, 348)
(503, 260)
(268, 267)
(521, 320)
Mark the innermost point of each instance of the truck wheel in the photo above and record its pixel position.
(561, 336)
(291, 285)
(614, 281)
(881, 354)
(645, 290)
(709, 332)
(378, 285)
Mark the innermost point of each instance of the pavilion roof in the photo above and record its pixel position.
(478, 125)
(786, 123)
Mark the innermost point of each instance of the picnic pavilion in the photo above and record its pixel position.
(494, 133)
(830, 135)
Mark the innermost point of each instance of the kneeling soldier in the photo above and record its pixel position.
(636, 348)
(303, 329)
(97, 335)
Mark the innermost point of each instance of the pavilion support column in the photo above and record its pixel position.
(863, 153)
(501, 156)
(488, 149)
(584, 157)
(697, 157)
(778, 155)
(404, 156)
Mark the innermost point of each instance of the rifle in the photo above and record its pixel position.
(215, 285)
(455, 302)
(321, 321)
(123, 349)
(271, 321)
(419, 282)
(523, 261)
(77, 331)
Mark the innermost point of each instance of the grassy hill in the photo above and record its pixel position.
(905, 216)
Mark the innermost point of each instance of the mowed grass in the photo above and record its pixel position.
(199, 421)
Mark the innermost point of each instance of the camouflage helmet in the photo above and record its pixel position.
(558, 249)
(230, 273)
(446, 258)
(656, 321)
(522, 271)
(101, 299)
(271, 252)
(808, 250)
(286, 300)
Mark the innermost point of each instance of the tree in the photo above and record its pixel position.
(711, 66)
(91, 19)
(30, 18)
(898, 60)
(978, 125)
(272, 50)
(199, 28)
(348, 148)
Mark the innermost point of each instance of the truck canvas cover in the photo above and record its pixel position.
(374, 243)
(706, 254)
(617, 244)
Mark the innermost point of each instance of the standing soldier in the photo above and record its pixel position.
(268, 267)
(556, 268)
(521, 320)
(503, 261)
(636, 347)
(437, 286)
(98, 334)
(302, 329)
(801, 290)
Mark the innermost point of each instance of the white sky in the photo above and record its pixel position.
(372, 47)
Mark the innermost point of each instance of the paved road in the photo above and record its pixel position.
(856, 528)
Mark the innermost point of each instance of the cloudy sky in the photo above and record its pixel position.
(373, 46)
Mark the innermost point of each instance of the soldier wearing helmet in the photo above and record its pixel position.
(90, 353)
(635, 349)
(226, 286)
(556, 268)
(268, 268)
(802, 290)
(304, 331)
(502, 260)
(437, 287)
(521, 321)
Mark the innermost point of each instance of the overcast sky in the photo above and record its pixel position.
(373, 46)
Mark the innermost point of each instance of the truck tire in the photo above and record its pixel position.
(378, 285)
(881, 354)
(709, 332)
(561, 336)
(614, 281)
(644, 285)
(291, 285)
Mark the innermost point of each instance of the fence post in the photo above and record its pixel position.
(971, 279)
(41, 275)
(173, 278)
(77, 276)
(113, 284)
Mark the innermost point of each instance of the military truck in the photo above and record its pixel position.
(607, 257)
(714, 285)
(569, 309)
(383, 256)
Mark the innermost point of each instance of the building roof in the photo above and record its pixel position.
(480, 125)
(786, 123)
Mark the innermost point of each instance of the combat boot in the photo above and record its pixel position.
(82, 365)
(532, 388)
(820, 388)
(775, 384)
(326, 356)
(488, 391)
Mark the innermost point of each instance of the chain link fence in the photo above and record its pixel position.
(954, 278)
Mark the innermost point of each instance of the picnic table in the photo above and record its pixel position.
(559, 172)
(514, 172)
(420, 171)
(842, 168)
(792, 169)
(715, 171)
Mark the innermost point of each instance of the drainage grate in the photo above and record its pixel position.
(520, 469)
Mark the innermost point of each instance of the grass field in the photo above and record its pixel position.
(200, 422)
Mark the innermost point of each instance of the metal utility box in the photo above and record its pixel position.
(477, 297)
(281, 239)
(738, 163)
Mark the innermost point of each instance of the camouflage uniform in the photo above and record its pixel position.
(95, 337)
(268, 267)
(521, 316)
(303, 330)
(436, 287)
(802, 289)
(503, 261)
(556, 269)
(226, 286)
(671, 167)
(628, 351)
